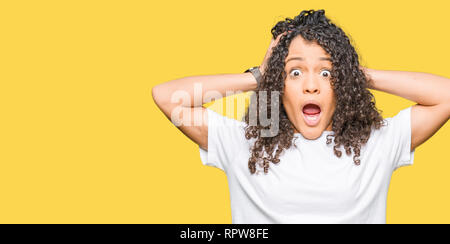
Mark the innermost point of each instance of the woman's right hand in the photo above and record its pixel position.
(272, 44)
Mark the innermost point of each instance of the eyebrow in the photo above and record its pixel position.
(302, 59)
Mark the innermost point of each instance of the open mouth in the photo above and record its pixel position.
(311, 114)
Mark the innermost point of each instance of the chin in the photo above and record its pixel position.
(311, 132)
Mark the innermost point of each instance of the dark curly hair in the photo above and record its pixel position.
(355, 112)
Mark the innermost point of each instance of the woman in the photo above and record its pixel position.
(314, 89)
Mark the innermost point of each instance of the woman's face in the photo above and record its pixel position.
(308, 69)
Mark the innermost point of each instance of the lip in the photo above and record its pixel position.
(312, 102)
(312, 123)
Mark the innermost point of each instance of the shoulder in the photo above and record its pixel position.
(393, 139)
(226, 140)
(395, 124)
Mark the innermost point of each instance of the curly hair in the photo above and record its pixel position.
(355, 113)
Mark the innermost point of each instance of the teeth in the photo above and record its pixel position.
(312, 117)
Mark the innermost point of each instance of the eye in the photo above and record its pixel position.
(295, 72)
(326, 73)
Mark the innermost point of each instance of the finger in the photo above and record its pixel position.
(278, 39)
(280, 35)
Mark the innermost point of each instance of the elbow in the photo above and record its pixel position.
(448, 108)
(154, 92)
(156, 95)
(446, 104)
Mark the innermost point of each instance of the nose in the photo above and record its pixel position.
(311, 86)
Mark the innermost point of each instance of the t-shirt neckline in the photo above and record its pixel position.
(323, 135)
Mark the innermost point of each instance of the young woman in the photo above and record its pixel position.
(312, 84)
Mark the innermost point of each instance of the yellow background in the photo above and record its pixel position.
(81, 140)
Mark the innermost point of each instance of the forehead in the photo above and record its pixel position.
(299, 47)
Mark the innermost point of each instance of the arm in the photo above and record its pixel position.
(198, 90)
(430, 92)
(193, 92)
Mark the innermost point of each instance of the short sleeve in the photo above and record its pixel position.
(398, 140)
(226, 137)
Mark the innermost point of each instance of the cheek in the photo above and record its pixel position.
(331, 107)
(290, 96)
(291, 103)
(291, 90)
(331, 98)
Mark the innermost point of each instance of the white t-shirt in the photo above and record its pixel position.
(309, 184)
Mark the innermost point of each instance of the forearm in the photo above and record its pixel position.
(198, 90)
(422, 88)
